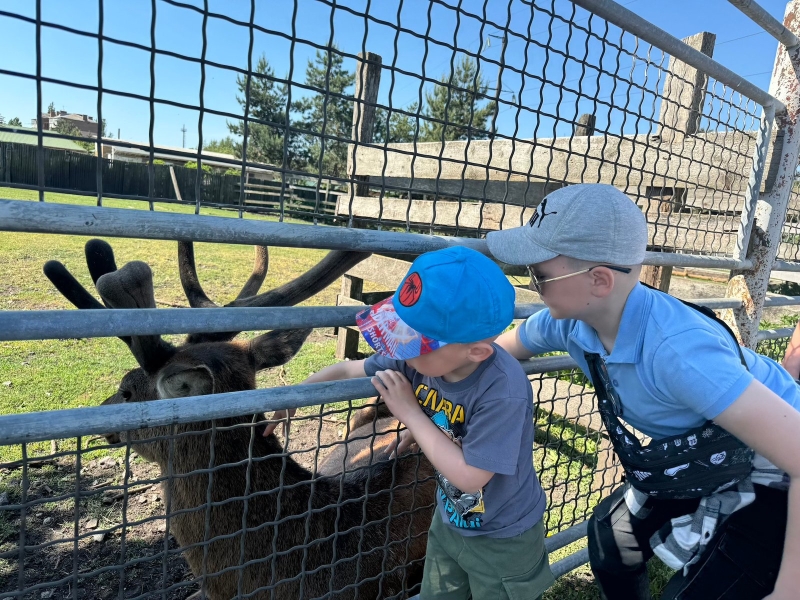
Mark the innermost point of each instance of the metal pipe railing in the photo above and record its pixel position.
(27, 217)
(633, 23)
(769, 23)
(41, 426)
(774, 334)
(17, 325)
(97, 420)
(786, 265)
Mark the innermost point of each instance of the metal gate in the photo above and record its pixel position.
(596, 93)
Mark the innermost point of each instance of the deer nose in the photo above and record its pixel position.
(113, 438)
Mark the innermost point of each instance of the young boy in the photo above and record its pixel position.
(468, 406)
(667, 370)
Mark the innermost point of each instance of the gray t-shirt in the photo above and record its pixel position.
(490, 413)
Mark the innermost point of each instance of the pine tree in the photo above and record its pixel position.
(322, 108)
(456, 101)
(268, 101)
(15, 122)
(402, 128)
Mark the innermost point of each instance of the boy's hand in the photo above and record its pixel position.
(279, 417)
(396, 391)
(400, 444)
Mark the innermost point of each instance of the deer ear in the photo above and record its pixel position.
(277, 347)
(179, 381)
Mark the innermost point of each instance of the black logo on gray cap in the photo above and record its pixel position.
(539, 217)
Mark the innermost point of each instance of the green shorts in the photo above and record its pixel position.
(514, 568)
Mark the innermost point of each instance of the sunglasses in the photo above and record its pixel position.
(538, 283)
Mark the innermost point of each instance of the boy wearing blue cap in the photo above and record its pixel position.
(708, 494)
(468, 405)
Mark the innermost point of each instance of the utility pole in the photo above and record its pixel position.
(183, 143)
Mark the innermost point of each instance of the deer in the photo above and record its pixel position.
(249, 519)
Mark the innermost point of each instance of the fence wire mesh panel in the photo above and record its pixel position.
(164, 511)
(501, 110)
(790, 236)
(445, 117)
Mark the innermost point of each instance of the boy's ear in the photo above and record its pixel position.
(480, 351)
(602, 282)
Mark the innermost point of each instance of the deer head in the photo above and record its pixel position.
(205, 363)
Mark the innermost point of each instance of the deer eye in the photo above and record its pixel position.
(126, 395)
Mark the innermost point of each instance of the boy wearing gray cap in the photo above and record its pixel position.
(708, 494)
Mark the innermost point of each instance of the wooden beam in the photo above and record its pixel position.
(684, 92)
(386, 272)
(513, 191)
(715, 160)
(175, 184)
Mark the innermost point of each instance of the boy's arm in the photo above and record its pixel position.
(444, 454)
(769, 425)
(349, 369)
(791, 360)
(510, 342)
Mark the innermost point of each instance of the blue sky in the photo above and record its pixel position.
(741, 46)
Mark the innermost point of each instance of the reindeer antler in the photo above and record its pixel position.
(191, 284)
(132, 287)
(316, 279)
(129, 287)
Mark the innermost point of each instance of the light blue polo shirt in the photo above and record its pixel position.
(673, 367)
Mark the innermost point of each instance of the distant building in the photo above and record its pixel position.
(85, 124)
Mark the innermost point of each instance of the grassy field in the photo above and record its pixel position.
(57, 374)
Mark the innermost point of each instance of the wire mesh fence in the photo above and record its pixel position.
(452, 118)
(467, 141)
(320, 512)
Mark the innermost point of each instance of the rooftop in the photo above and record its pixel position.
(27, 135)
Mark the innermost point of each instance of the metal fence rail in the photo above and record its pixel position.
(438, 142)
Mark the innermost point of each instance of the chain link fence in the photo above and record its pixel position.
(445, 118)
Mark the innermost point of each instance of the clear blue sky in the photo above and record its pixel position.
(741, 46)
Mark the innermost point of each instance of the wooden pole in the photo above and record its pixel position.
(175, 183)
(347, 339)
(368, 81)
(681, 109)
(585, 125)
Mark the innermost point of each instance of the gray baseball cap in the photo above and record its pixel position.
(595, 222)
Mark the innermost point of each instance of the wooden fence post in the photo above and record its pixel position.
(368, 80)
(585, 125)
(681, 109)
(347, 340)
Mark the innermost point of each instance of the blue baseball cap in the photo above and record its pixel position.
(451, 296)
